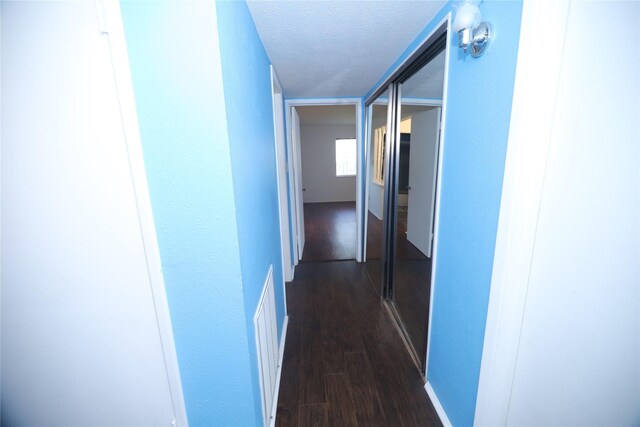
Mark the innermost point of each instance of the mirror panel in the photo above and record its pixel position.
(419, 117)
(403, 147)
(377, 116)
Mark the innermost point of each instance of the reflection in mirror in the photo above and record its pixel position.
(375, 191)
(420, 111)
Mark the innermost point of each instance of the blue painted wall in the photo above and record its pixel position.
(247, 90)
(196, 158)
(477, 125)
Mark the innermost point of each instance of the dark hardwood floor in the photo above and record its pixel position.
(344, 362)
(330, 231)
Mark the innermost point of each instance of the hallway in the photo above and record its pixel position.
(344, 362)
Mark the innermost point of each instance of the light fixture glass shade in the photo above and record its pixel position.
(467, 16)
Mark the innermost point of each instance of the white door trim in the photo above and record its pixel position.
(303, 102)
(540, 52)
(112, 24)
(281, 171)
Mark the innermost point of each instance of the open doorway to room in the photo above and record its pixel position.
(327, 139)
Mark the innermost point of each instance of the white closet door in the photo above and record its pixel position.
(80, 338)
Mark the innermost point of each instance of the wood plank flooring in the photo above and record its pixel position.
(344, 362)
(330, 231)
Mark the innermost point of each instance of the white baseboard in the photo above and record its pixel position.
(283, 339)
(436, 404)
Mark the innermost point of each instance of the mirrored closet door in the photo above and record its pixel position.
(404, 147)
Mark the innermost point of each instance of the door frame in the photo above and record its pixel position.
(443, 26)
(112, 25)
(307, 102)
(281, 170)
(536, 83)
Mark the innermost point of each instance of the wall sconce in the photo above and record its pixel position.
(472, 33)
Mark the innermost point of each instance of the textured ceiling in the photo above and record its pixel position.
(327, 115)
(337, 48)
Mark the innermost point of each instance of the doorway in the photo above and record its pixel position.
(324, 167)
(403, 156)
(328, 171)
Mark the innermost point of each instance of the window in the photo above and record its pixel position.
(345, 157)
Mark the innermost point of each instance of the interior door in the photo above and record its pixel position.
(422, 177)
(80, 337)
(297, 155)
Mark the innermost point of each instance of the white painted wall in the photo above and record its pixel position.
(80, 333)
(578, 361)
(319, 164)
